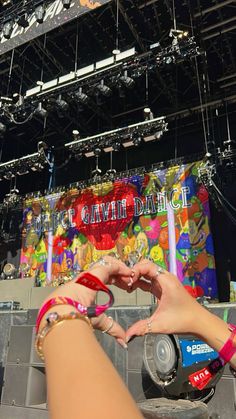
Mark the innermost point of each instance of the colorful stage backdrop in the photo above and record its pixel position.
(163, 214)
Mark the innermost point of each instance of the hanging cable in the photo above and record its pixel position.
(227, 123)
(117, 25)
(22, 77)
(76, 46)
(44, 47)
(174, 15)
(146, 88)
(10, 72)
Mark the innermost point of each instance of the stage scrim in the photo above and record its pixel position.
(163, 214)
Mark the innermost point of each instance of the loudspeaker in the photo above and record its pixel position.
(15, 385)
(131, 366)
(20, 344)
(36, 387)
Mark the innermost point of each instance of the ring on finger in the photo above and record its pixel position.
(149, 326)
(159, 271)
(110, 325)
(130, 283)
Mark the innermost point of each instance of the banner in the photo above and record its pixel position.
(55, 15)
(163, 215)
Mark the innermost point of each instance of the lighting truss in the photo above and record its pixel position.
(120, 69)
(18, 167)
(125, 136)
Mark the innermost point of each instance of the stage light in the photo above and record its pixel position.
(37, 167)
(126, 80)
(18, 99)
(7, 29)
(76, 134)
(22, 171)
(62, 104)
(40, 111)
(8, 175)
(40, 13)
(23, 20)
(116, 52)
(148, 115)
(9, 270)
(116, 146)
(6, 2)
(66, 4)
(137, 141)
(81, 96)
(103, 89)
(2, 129)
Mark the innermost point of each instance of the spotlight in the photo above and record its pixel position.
(116, 146)
(18, 99)
(22, 171)
(137, 141)
(8, 175)
(40, 111)
(7, 29)
(76, 134)
(37, 167)
(23, 20)
(2, 129)
(147, 114)
(6, 2)
(39, 14)
(81, 96)
(62, 104)
(66, 4)
(103, 89)
(97, 152)
(126, 80)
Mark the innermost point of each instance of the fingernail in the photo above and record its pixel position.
(132, 273)
(127, 339)
(123, 344)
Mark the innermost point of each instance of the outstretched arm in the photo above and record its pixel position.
(81, 380)
(177, 311)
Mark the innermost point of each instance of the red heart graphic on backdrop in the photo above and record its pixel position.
(103, 218)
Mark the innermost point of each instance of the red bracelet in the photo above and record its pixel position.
(90, 281)
(229, 349)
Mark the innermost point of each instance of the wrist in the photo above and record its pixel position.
(210, 328)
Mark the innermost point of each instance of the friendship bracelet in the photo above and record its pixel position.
(54, 319)
(89, 281)
(59, 301)
(94, 283)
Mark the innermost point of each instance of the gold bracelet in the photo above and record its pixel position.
(54, 319)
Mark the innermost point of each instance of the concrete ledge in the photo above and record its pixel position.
(31, 297)
(17, 290)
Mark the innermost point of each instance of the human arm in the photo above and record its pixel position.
(177, 311)
(81, 380)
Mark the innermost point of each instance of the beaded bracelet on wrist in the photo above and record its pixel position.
(54, 319)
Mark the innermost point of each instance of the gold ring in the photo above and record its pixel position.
(149, 326)
(110, 325)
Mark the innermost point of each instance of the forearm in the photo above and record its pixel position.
(213, 331)
(74, 362)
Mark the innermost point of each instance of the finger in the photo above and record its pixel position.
(139, 328)
(119, 334)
